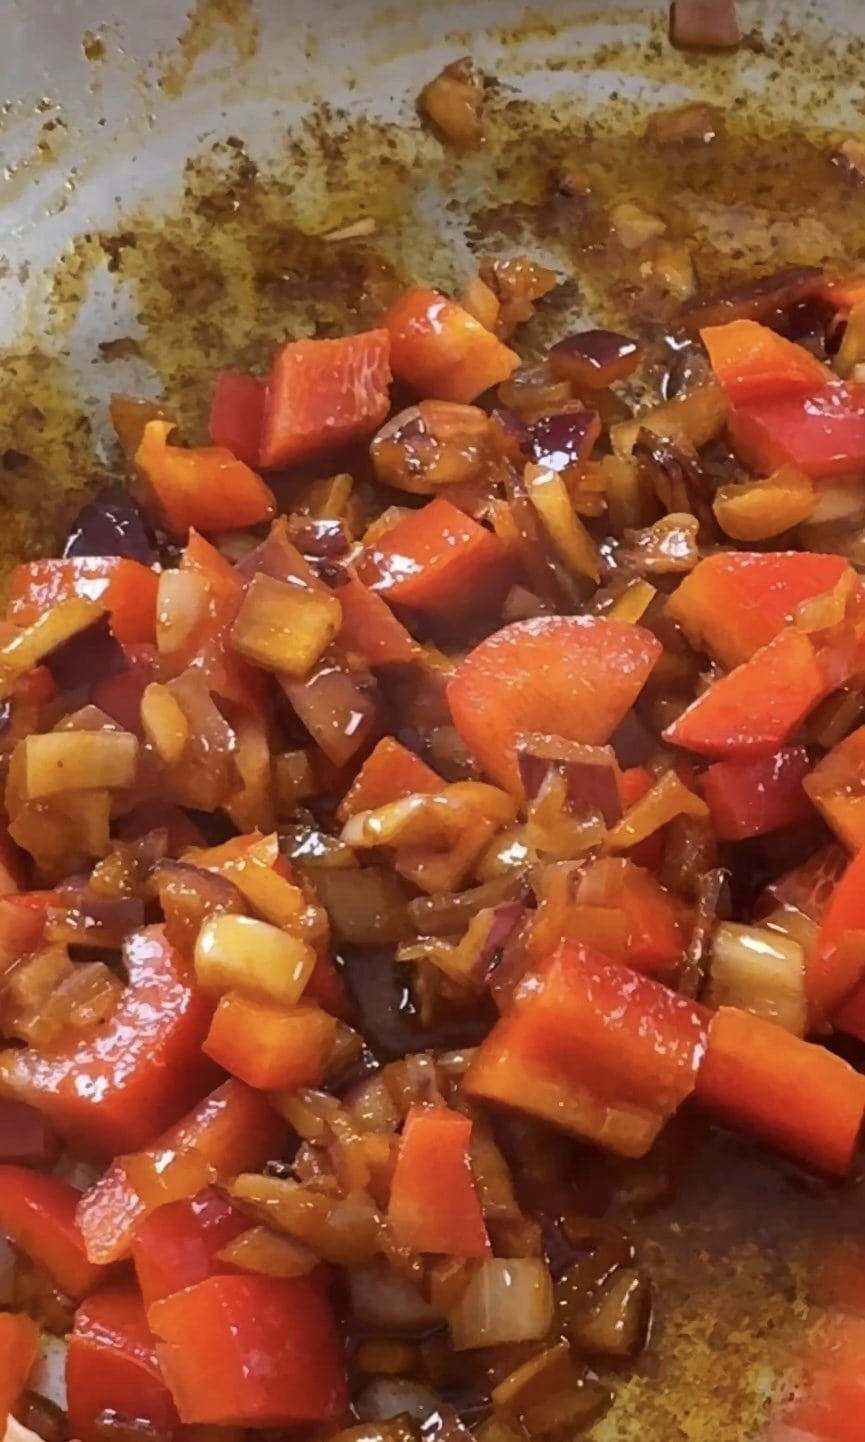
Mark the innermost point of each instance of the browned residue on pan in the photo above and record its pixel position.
(212, 23)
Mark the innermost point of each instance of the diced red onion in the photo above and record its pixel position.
(87, 658)
(508, 1300)
(319, 540)
(590, 774)
(594, 358)
(758, 300)
(111, 525)
(26, 1138)
(564, 439)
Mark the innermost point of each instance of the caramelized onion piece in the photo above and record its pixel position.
(759, 971)
(699, 416)
(594, 359)
(507, 1300)
(435, 444)
(453, 102)
(590, 773)
(759, 510)
(758, 300)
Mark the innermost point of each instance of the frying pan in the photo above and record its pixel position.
(170, 190)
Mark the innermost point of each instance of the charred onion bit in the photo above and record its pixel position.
(704, 24)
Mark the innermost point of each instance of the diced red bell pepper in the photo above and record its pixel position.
(37, 1213)
(835, 967)
(652, 941)
(370, 628)
(752, 795)
(125, 588)
(823, 434)
(26, 1139)
(434, 1205)
(178, 1245)
(636, 781)
(439, 561)
(837, 788)
(237, 415)
(251, 1352)
(593, 1047)
(233, 1130)
(752, 362)
(754, 709)
(809, 887)
(271, 1047)
(19, 1348)
(324, 393)
(117, 1089)
(112, 1368)
(734, 602)
(22, 924)
(208, 488)
(441, 351)
(569, 676)
(828, 1403)
(389, 773)
(794, 1095)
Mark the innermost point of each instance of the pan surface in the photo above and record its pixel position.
(170, 184)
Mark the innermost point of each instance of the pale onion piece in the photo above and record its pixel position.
(437, 819)
(31, 645)
(758, 510)
(549, 496)
(506, 854)
(668, 798)
(481, 301)
(280, 902)
(355, 230)
(838, 500)
(181, 602)
(238, 953)
(64, 761)
(699, 416)
(761, 972)
(284, 627)
(371, 1106)
(852, 349)
(342, 1230)
(385, 1398)
(164, 722)
(311, 1113)
(380, 1297)
(548, 1396)
(635, 226)
(793, 924)
(508, 1300)
(48, 1377)
(672, 267)
(633, 603)
(435, 871)
(17, 1432)
(294, 779)
(261, 1250)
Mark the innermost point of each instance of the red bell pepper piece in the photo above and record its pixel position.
(324, 393)
(271, 1047)
(441, 351)
(734, 602)
(828, 1403)
(251, 1352)
(370, 628)
(636, 781)
(809, 887)
(26, 1139)
(114, 1091)
(434, 1205)
(752, 362)
(652, 940)
(569, 676)
(120, 696)
(112, 1368)
(439, 561)
(751, 795)
(178, 1244)
(593, 1047)
(19, 1348)
(207, 488)
(237, 415)
(836, 788)
(835, 968)
(233, 1130)
(823, 433)
(389, 773)
(37, 1213)
(125, 588)
(789, 1093)
(754, 709)
(22, 924)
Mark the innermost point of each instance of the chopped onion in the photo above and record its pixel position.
(385, 1398)
(507, 1300)
(759, 510)
(517, 284)
(371, 1106)
(164, 722)
(65, 761)
(25, 648)
(111, 525)
(181, 602)
(48, 1378)
(26, 1139)
(366, 906)
(342, 1231)
(436, 444)
(448, 913)
(634, 226)
(549, 496)
(633, 603)
(667, 798)
(429, 820)
(590, 773)
(294, 779)
(380, 1297)
(758, 300)
(699, 416)
(759, 971)
(238, 953)
(594, 359)
(285, 627)
(336, 705)
(261, 1250)
(188, 896)
(615, 1322)
(87, 658)
(453, 102)
(852, 349)
(669, 547)
(562, 440)
(129, 416)
(547, 1396)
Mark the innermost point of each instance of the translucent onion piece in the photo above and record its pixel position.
(668, 798)
(26, 648)
(759, 971)
(260, 1250)
(430, 820)
(66, 761)
(668, 547)
(548, 1397)
(380, 1297)
(284, 627)
(241, 954)
(181, 602)
(367, 906)
(294, 780)
(508, 1300)
(633, 603)
(343, 1231)
(634, 226)
(435, 444)
(699, 416)
(386, 1398)
(549, 496)
(759, 510)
